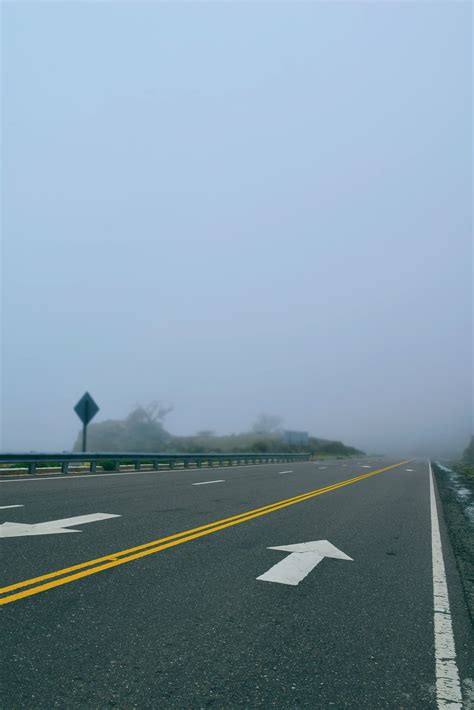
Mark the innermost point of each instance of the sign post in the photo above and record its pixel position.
(86, 409)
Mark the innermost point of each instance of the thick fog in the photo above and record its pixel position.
(234, 209)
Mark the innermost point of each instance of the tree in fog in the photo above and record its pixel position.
(267, 424)
(468, 455)
(142, 430)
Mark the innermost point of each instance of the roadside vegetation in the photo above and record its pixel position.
(465, 468)
(466, 465)
(143, 430)
(456, 490)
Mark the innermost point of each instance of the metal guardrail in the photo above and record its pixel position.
(113, 460)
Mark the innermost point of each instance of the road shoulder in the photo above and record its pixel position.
(458, 548)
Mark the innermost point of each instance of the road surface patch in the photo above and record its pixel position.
(57, 578)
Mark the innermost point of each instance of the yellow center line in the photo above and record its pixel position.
(100, 564)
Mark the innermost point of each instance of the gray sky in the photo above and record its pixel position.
(238, 208)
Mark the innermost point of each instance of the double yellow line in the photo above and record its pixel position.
(36, 585)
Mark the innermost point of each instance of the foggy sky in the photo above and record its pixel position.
(237, 208)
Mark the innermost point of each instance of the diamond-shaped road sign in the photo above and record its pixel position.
(86, 408)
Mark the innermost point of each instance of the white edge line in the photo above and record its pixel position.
(448, 688)
(204, 483)
(4, 507)
(285, 472)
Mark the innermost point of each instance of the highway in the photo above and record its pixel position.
(157, 603)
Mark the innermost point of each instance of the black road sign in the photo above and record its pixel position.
(86, 409)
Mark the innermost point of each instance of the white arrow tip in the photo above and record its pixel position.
(324, 548)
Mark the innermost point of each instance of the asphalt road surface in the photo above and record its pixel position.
(161, 606)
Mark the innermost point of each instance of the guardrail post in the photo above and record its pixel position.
(185, 463)
(171, 463)
(156, 465)
(32, 468)
(93, 466)
(65, 467)
(117, 465)
(137, 465)
(210, 463)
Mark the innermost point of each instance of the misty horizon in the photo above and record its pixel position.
(237, 209)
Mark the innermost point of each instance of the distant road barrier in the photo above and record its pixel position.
(112, 461)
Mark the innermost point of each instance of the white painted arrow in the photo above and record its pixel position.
(303, 558)
(52, 527)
